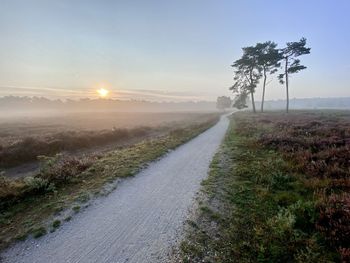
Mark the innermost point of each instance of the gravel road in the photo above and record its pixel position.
(140, 221)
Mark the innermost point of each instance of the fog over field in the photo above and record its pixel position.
(40, 106)
(13, 129)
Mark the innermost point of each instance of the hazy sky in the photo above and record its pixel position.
(165, 50)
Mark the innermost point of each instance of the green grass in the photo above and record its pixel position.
(68, 218)
(41, 207)
(56, 224)
(263, 211)
(76, 208)
(39, 232)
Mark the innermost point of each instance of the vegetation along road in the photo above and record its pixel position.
(140, 221)
(277, 191)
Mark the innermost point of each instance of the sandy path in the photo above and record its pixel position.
(138, 222)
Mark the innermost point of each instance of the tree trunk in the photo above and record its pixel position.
(252, 89)
(253, 102)
(263, 95)
(287, 88)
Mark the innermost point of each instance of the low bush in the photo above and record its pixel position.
(36, 185)
(60, 169)
(280, 181)
(56, 224)
(39, 232)
(305, 214)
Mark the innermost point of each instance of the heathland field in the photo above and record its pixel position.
(23, 139)
(278, 191)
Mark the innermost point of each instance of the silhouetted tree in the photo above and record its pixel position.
(268, 60)
(247, 73)
(223, 102)
(291, 63)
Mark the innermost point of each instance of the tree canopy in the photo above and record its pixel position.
(292, 63)
(269, 60)
(247, 73)
(262, 60)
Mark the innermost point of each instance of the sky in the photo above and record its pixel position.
(165, 50)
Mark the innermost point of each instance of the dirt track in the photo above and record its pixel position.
(138, 222)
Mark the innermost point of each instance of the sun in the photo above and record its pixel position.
(103, 93)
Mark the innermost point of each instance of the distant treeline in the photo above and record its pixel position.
(309, 103)
(24, 104)
(14, 104)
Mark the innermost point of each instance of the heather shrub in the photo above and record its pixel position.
(339, 185)
(22, 151)
(10, 189)
(344, 255)
(334, 219)
(177, 132)
(5, 186)
(60, 168)
(35, 185)
(140, 131)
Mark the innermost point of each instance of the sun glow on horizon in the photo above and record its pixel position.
(103, 93)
